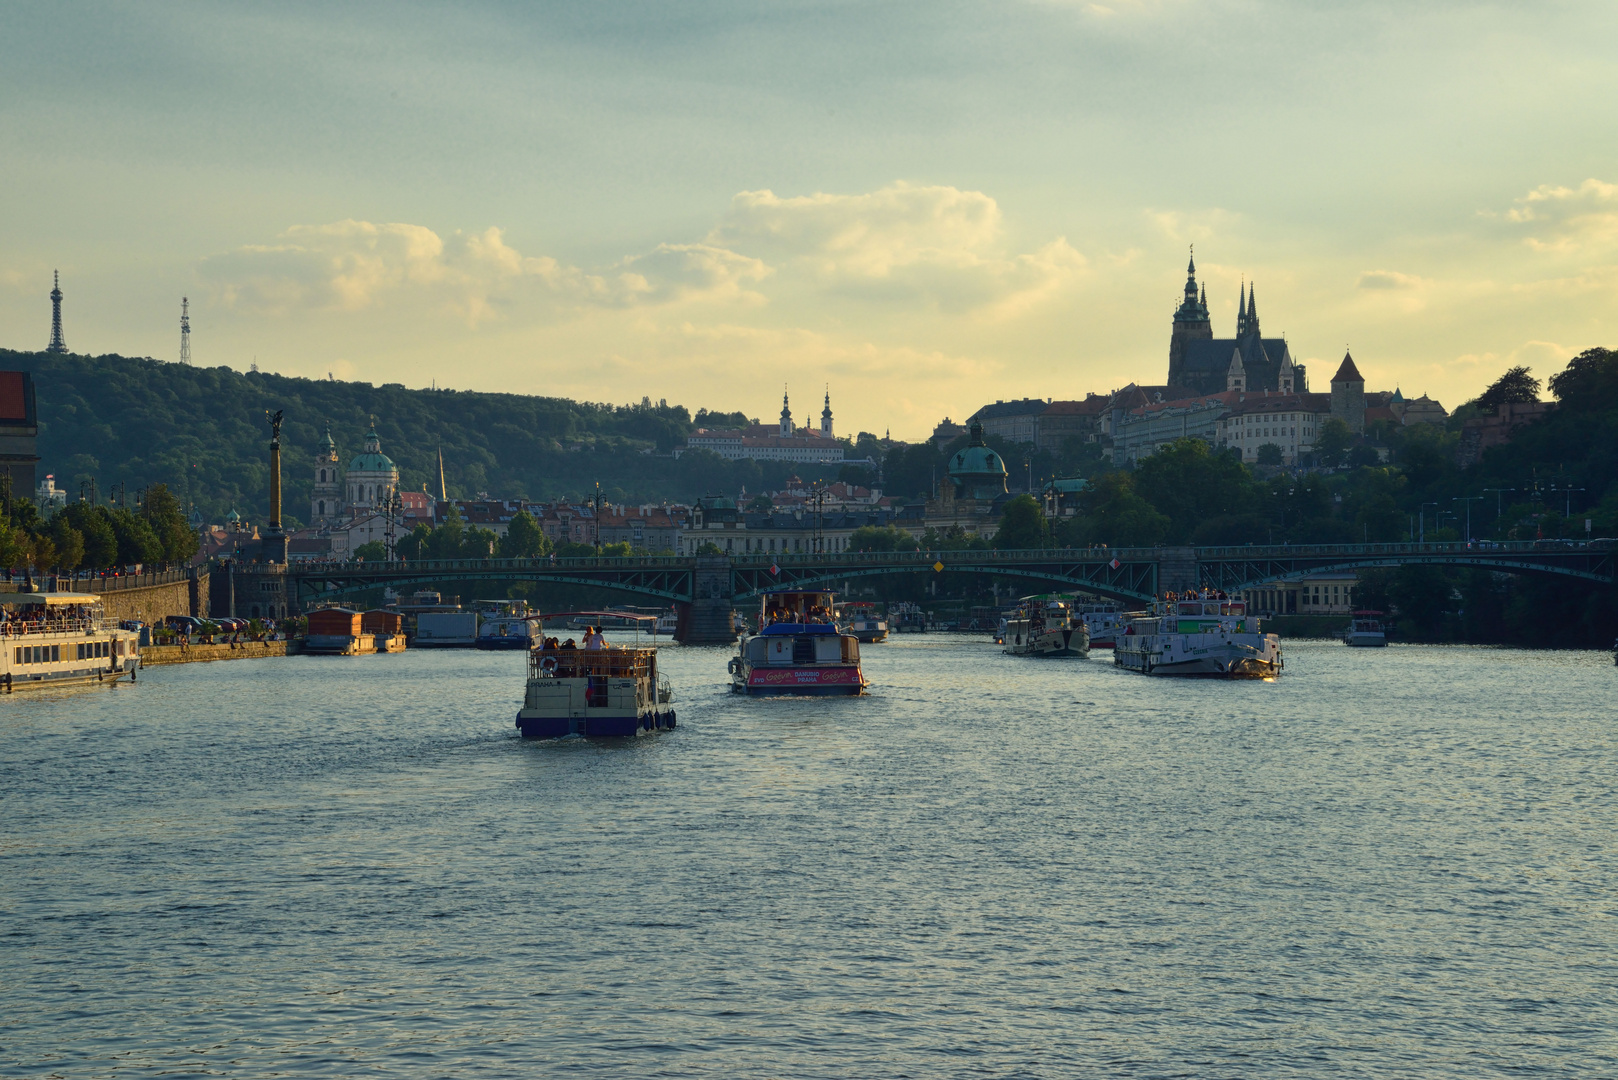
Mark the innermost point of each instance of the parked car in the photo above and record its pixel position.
(184, 624)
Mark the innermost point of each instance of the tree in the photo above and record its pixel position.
(166, 518)
(1589, 383)
(137, 543)
(524, 538)
(62, 547)
(760, 504)
(1022, 525)
(1270, 454)
(1516, 385)
(373, 551)
(1189, 481)
(448, 538)
(100, 543)
(881, 538)
(1333, 442)
(1111, 512)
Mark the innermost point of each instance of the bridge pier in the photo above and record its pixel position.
(1177, 570)
(706, 620)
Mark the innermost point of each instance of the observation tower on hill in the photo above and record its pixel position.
(57, 345)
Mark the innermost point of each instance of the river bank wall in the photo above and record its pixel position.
(154, 655)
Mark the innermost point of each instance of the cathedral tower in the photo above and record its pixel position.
(825, 417)
(1190, 324)
(786, 414)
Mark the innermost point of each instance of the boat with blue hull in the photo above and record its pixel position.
(798, 650)
(599, 693)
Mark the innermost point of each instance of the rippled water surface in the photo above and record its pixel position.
(1387, 863)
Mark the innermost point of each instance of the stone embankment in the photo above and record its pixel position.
(153, 655)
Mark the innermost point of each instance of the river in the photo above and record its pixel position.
(1388, 862)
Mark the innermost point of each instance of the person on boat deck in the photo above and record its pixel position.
(568, 644)
(593, 640)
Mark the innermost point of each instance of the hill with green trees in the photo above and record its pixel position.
(111, 420)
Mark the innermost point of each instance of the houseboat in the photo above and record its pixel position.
(1365, 630)
(1203, 634)
(861, 618)
(337, 631)
(62, 639)
(610, 692)
(798, 649)
(1045, 626)
(386, 627)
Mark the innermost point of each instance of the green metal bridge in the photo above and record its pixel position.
(702, 586)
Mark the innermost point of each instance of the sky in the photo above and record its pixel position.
(922, 206)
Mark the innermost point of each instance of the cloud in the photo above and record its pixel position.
(351, 266)
(1388, 279)
(1565, 219)
(903, 242)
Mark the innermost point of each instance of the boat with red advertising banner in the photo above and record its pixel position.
(798, 649)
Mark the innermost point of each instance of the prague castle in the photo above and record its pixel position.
(1251, 362)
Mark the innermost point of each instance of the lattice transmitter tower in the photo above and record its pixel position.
(57, 345)
(185, 329)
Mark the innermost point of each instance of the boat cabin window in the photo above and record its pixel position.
(797, 607)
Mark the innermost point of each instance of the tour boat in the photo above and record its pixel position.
(860, 618)
(60, 639)
(1365, 630)
(907, 618)
(596, 693)
(509, 627)
(1104, 621)
(1045, 627)
(798, 649)
(1207, 635)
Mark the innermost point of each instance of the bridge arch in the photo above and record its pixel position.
(1495, 563)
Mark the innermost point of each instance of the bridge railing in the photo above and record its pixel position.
(1432, 547)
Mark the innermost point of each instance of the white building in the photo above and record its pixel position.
(49, 497)
(779, 442)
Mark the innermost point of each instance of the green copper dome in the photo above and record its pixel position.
(977, 471)
(372, 459)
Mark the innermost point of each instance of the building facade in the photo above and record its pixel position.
(1250, 361)
(781, 441)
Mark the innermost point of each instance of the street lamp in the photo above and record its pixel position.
(1497, 509)
(1468, 500)
(1423, 520)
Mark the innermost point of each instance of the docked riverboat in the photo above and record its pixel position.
(1366, 630)
(861, 619)
(508, 626)
(609, 692)
(1207, 635)
(1104, 621)
(1045, 627)
(62, 639)
(798, 649)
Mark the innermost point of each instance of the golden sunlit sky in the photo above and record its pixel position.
(925, 205)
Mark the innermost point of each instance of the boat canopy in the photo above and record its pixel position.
(54, 599)
(797, 611)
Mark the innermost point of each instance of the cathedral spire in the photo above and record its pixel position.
(1252, 309)
(1241, 310)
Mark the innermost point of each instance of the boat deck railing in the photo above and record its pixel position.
(613, 663)
(87, 624)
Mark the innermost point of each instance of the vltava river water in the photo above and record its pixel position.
(1387, 863)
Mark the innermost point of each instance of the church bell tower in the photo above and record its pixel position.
(1191, 323)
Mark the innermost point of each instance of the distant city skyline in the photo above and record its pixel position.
(931, 207)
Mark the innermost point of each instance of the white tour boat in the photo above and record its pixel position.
(798, 649)
(1045, 627)
(1208, 635)
(609, 692)
(1104, 621)
(861, 619)
(60, 639)
(1365, 630)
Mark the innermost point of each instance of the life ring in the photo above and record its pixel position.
(548, 665)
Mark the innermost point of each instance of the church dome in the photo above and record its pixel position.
(977, 471)
(372, 459)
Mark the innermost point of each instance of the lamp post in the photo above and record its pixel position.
(1468, 500)
(1423, 519)
(1567, 499)
(1497, 507)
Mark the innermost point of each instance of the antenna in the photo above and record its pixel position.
(185, 331)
